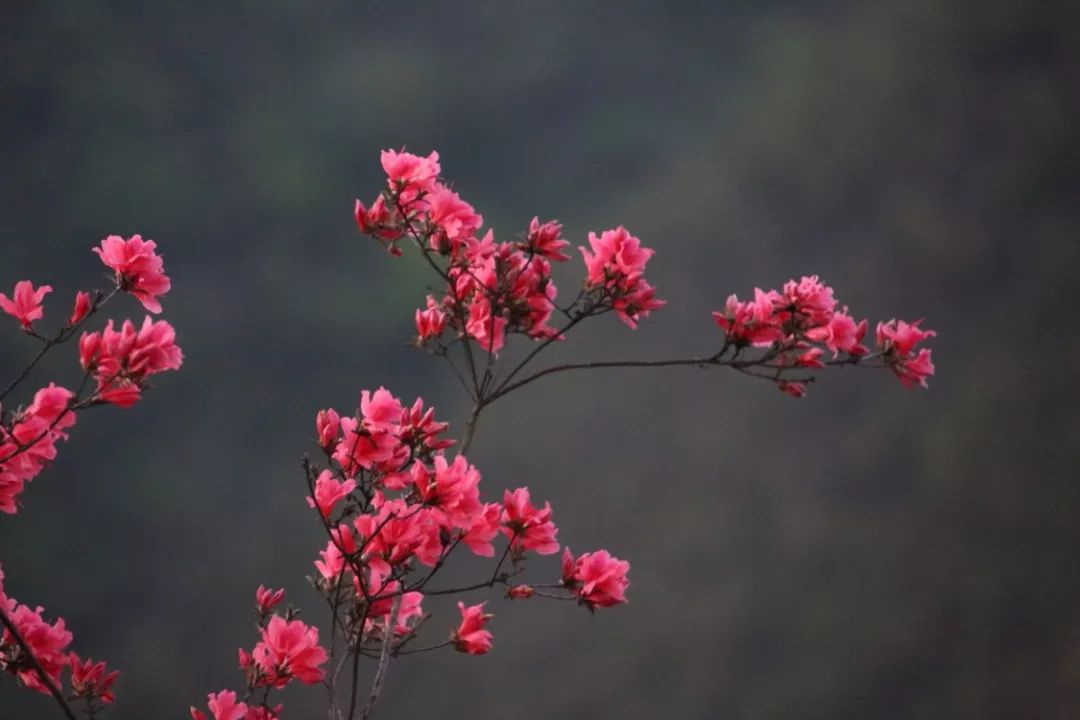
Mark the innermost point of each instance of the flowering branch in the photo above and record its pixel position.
(395, 507)
(120, 362)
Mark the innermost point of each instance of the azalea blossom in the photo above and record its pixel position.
(528, 527)
(470, 636)
(267, 599)
(121, 360)
(598, 579)
(289, 650)
(25, 302)
(90, 681)
(139, 269)
(81, 308)
(329, 491)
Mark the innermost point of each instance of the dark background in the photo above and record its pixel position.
(868, 552)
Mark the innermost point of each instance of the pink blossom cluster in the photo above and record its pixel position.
(392, 502)
(28, 441)
(494, 289)
(616, 274)
(802, 321)
(224, 705)
(288, 649)
(122, 360)
(898, 341)
(47, 644)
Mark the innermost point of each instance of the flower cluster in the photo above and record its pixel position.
(288, 649)
(224, 706)
(28, 441)
(119, 360)
(122, 360)
(495, 289)
(90, 681)
(898, 340)
(802, 321)
(43, 645)
(616, 270)
(392, 502)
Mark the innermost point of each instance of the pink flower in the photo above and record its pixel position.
(616, 255)
(810, 358)
(794, 389)
(454, 488)
(615, 266)
(329, 492)
(597, 578)
(224, 706)
(288, 650)
(47, 642)
(808, 297)
(637, 303)
(840, 334)
(430, 322)
(410, 173)
(381, 410)
(81, 309)
(25, 302)
(485, 526)
(900, 338)
(897, 340)
(11, 486)
(90, 681)
(379, 612)
(455, 220)
(420, 429)
(488, 332)
(470, 636)
(528, 527)
(546, 240)
(381, 222)
(139, 269)
(751, 322)
(360, 448)
(31, 442)
(332, 562)
(520, 592)
(266, 599)
(328, 428)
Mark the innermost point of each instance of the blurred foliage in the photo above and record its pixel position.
(867, 552)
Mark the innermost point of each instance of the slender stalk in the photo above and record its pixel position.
(470, 427)
(384, 662)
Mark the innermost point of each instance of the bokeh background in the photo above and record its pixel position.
(868, 552)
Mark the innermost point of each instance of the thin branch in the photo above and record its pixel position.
(384, 662)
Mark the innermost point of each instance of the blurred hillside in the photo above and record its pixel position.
(867, 552)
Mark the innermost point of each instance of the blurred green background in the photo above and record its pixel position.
(868, 552)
